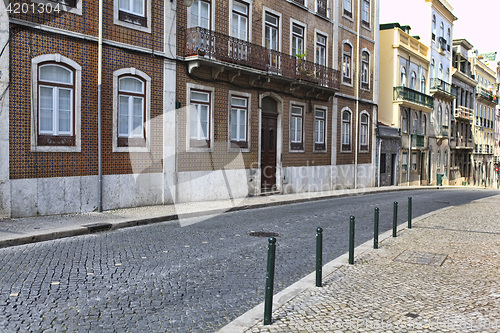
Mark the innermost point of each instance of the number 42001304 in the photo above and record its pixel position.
(33, 8)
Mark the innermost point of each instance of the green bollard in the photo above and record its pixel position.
(375, 229)
(268, 306)
(409, 212)
(395, 219)
(351, 241)
(319, 256)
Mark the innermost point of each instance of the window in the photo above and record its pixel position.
(132, 11)
(321, 50)
(438, 162)
(346, 63)
(433, 27)
(297, 40)
(440, 117)
(296, 126)
(404, 121)
(449, 39)
(131, 111)
(414, 125)
(403, 77)
(199, 120)
(321, 7)
(413, 161)
(440, 71)
(441, 30)
(446, 118)
(422, 84)
(319, 130)
(69, 3)
(363, 132)
(200, 14)
(56, 108)
(271, 32)
(365, 70)
(346, 131)
(239, 22)
(365, 14)
(445, 158)
(413, 83)
(424, 125)
(348, 8)
(404, 161)
(239, 121)
(56, 95)
(433, 68)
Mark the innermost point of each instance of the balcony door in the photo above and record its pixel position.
(239, 31)
(199, 17)
(271, 42)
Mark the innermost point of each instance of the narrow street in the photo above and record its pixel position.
(196, 278)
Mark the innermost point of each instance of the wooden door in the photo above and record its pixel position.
(268, 151)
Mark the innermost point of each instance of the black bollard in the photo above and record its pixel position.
(268, 305)
(351, 241)
(395, 219)
(375, 229)
(319, 256)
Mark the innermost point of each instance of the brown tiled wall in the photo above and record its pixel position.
(27, 44)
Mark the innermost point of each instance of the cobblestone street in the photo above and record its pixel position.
(440, 276)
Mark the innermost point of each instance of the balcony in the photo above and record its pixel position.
(464, 113)
(461, 143)
(417, 141)
(438, 85)
(485, 94)
(219, 50)
(413, 96)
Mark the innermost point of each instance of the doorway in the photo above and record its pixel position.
(268, 144)
(394, 165)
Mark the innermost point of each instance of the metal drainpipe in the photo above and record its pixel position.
(99, 111)
(357, 99)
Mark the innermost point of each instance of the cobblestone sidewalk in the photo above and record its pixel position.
(440, 276)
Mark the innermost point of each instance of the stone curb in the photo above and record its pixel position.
(255, 315)
(78, 230)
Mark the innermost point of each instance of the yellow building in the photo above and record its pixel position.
(405, 105)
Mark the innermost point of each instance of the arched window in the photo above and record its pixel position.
(441, 30)
(433, 68)
(363, 131)
(365, 69)
(413, 80)
(446, 117)
(440, 117)
(56, 107)
(346, 63)
(346, 130)
(433, 27)
(403, 76)
(404, 121)
(449, 38)
(422, 84)
(414, 125)
(424, 125)
(441, 71)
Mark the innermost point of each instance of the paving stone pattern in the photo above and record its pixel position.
(383, 294)
(198, 278)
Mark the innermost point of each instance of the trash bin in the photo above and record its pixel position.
(440, 179)
(464, 183)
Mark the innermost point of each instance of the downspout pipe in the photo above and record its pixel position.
(99, 111)
(357, 97)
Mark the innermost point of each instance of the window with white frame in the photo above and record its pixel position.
(133, 11)
(271, 32)
(440, 117)
(200, 14)
(363, 132)
(403, 77)
(239, 21)
(365, 13)
(296, 127)
(365, 70)
(414, 161)
(346, 131)
(348, 8)
(319, 130)
(321, 49)
(297, 40)
(449, 39)
(199, 119)
(131, 111)
(404, 161)
(55, 104)
(346, 63)
(239, 121)
(433, 27)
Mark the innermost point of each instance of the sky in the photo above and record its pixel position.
(477, 22)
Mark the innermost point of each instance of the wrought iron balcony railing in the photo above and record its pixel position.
(217, 47)
(438, 84)
(481, 92)
(462, 112)
(410, 95)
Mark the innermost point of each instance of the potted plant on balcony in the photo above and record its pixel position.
(301, 70)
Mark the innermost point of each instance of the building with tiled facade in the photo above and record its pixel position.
(461, 134)
(50, 162)
(405, 105)
(262, 96)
